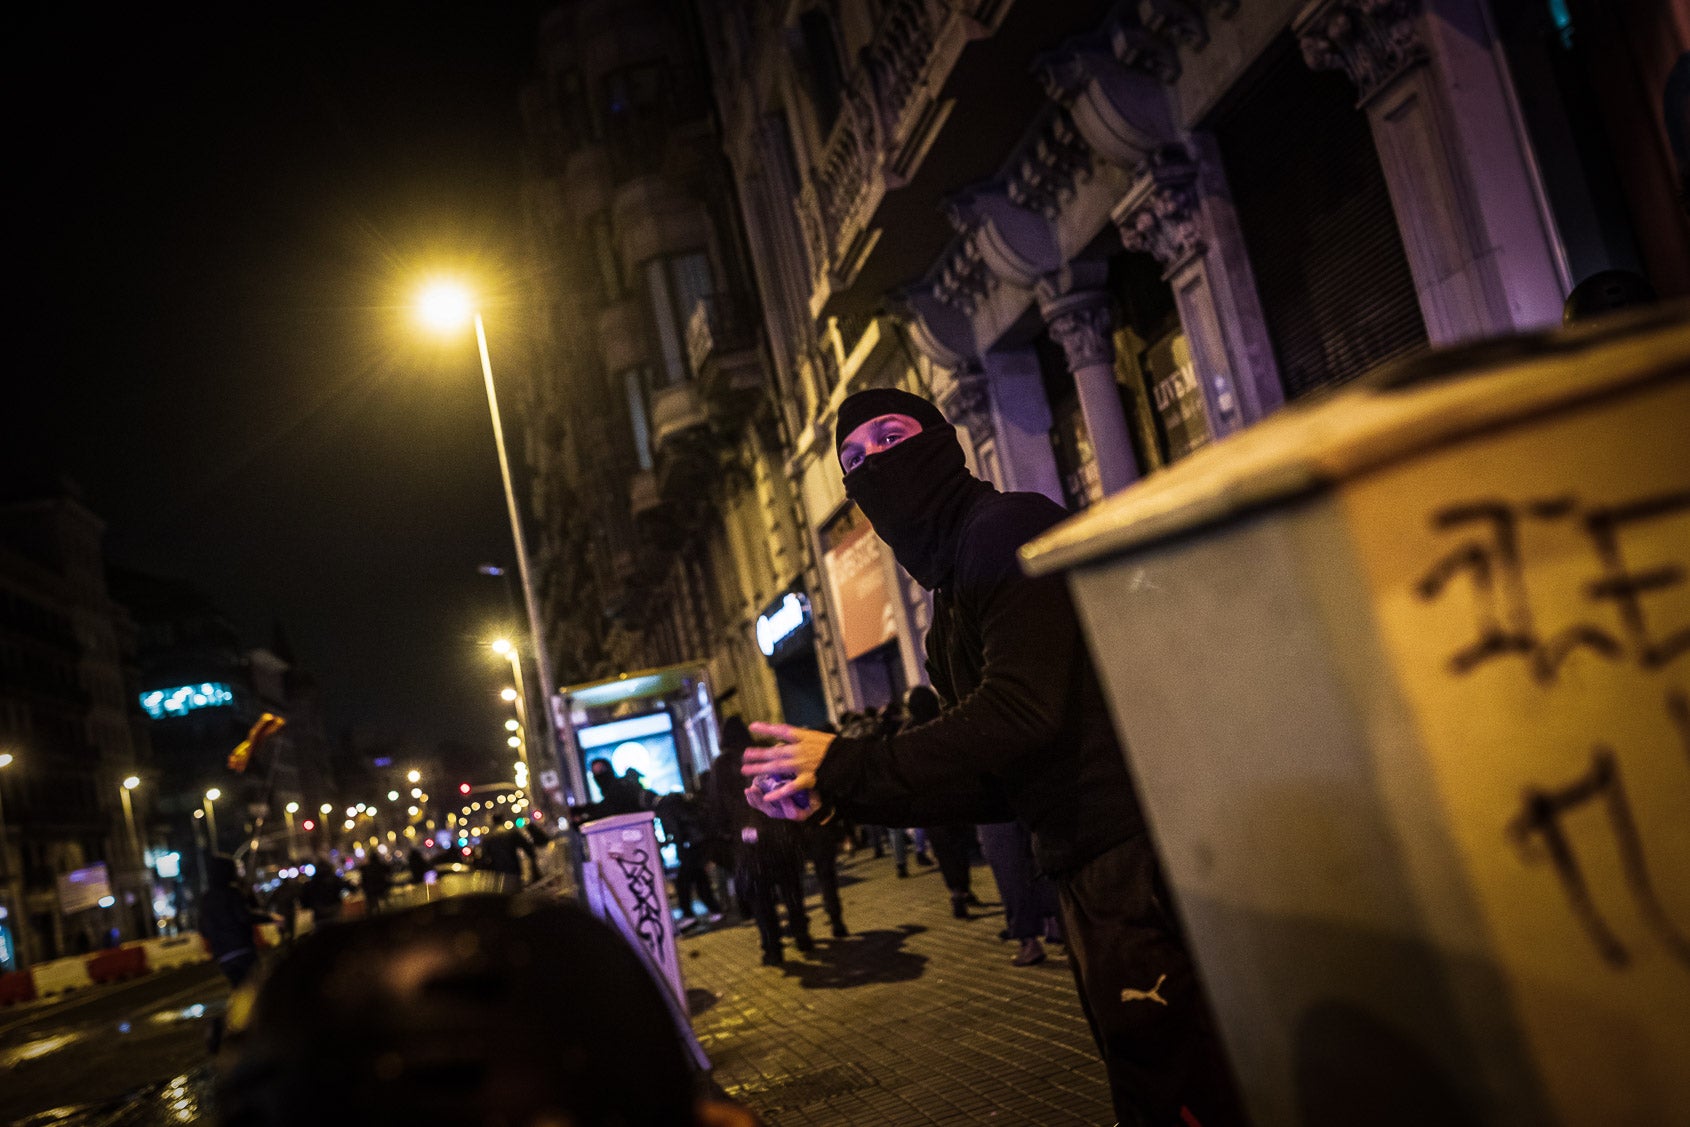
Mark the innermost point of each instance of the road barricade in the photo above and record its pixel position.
(61, 975)
(16, 986)
(118, 963)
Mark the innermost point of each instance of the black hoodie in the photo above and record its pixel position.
(1026, 730)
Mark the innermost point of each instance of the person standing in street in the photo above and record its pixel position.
(953, 842)
(768, 857)
(1025, 733)
(375, 878)
(322, 893)
(228, 914)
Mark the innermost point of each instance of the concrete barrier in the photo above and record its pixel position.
(117, 963)
(61, 975)
(16, 986)
(173, 951)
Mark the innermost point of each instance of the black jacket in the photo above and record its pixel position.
(1025, 732)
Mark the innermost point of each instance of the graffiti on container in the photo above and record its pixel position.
(1494, 560)
(642, 884)
(1539, 831)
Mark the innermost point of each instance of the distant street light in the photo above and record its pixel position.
(6, 760)
(212, 796)
(447, 306)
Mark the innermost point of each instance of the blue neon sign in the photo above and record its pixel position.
(161, 703)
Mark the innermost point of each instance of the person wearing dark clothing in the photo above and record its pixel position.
(502, 852)
(952, 842)
(322, 894)
(617, 794)
(683, 822)
(418, 865)
(283, 904)
(375, 878)
(228, 914)
(768, 852)
(821, 849)
(1029, 897)
(1025, 734)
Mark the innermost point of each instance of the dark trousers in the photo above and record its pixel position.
(1141, 995)
(821, 848)
(768, 876)
(692, 879)
(1028, 896)
(952, 849)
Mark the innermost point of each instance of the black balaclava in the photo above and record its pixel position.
(859, 407)
(916, 495)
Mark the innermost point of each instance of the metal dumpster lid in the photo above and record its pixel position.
(1400, 410)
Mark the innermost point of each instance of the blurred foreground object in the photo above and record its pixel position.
(1404, 678)
(476, 1010)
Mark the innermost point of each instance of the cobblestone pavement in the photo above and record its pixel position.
(916, 1018)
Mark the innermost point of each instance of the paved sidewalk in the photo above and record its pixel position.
(917, 1018)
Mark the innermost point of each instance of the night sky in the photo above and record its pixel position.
(219, 222)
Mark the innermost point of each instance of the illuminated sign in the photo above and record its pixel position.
(161, 703)
(772, 629)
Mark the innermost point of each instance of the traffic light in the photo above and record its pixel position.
(309, 825)
(463, 788)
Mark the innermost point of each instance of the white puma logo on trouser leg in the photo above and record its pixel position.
(1151, 995)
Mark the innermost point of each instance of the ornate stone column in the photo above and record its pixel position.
(1479, 245)
(1180, 213)
(1079, 318)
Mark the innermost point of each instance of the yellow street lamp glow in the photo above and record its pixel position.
(444, 305)
(416, 792)
(324, 808)
(413, 776)
(512, 725)
(393, 796)
(293, 808)
(213, 795)
(412, 811)
(507, 693)
(515, 741)
(352, 811)
(501, 646)
(131, 782)
(5, 759)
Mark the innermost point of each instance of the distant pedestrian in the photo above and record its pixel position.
(418, 865)
(682, 817)
(502, 852)
(322, 893)
(376, 878)
(228, 914)
(768, 857)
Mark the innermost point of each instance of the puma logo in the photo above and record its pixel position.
(1150, 995)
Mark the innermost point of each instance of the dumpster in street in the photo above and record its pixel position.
(1404, 680)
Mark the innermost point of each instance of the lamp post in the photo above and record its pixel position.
(6, 760)
(212, 796)
(288, 812)
(445, 306)
(139, 854)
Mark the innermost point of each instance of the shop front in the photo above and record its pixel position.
(786, 637)
(863, 583)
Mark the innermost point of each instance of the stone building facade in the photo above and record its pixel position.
(1105, 236)
(1102, 236)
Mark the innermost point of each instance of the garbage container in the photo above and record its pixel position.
(1404, 678)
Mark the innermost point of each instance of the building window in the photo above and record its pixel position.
(676, 284)
(823, 76)
(1334, 282)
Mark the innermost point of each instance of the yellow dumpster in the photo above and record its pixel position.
(1404, 677)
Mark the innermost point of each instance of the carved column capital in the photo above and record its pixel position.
(1374, 42)
(966, 400)
(1159, 215)
(1083, 325)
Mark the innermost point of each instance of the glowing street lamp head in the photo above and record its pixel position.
(507, 693)
(131, 782)
(5, 759)
(213, 795)
(515, 741)
(413, 776)
(512, 725)
(445, 306)
(501, 646)
(293, 808)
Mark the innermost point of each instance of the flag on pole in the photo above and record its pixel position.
(267, 725)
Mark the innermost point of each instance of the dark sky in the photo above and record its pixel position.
(219, 221)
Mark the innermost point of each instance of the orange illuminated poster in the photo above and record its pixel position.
(856, 570)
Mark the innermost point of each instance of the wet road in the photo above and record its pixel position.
(128, 1054)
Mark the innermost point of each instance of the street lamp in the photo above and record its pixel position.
(446, 306)
(6, 760)
(212, 796)
(288, 812)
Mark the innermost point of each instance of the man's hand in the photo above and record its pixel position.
(798, 754)
(787, 808)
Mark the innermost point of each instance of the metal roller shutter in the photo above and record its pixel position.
(1323, 241)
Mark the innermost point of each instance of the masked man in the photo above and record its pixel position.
(1024, 733)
